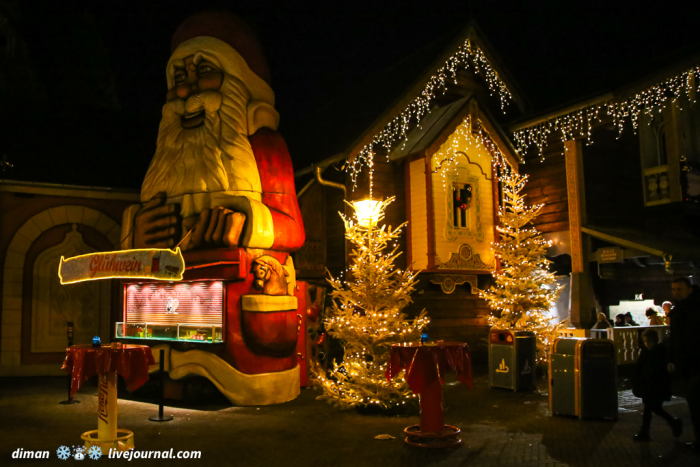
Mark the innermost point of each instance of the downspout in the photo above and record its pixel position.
(339, 186)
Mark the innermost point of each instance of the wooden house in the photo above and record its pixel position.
(625, 201)
(444, 179)
(621, 208)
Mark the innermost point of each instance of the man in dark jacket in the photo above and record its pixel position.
(653, 384)
(684, 351)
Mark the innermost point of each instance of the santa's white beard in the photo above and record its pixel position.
(215, 157)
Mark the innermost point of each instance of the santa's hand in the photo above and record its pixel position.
(157, 225)
(217, 228)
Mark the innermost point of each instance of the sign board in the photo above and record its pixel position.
(157, 264)
(607, 272)
(610, 255)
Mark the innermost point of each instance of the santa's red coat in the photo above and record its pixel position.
(279, 194)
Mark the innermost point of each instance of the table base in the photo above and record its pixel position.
(447, 438)
(69, 402)
(123, 442)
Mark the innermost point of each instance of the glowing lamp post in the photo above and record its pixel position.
(368, 211)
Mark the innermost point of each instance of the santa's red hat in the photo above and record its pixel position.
(230, 29)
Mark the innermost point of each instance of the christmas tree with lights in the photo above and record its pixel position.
(366, 315)
(525, 290)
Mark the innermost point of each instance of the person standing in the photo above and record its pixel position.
(630, 320)
(684, 351)
(620, 320)
(653, 384)
(655, 319)
(602, 322)
(666, 306)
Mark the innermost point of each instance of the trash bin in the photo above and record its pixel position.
(512, 359)
(582, 378)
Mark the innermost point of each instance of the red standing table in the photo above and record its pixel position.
(425, 365)
(130, 361)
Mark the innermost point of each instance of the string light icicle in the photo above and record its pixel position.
(468, 55)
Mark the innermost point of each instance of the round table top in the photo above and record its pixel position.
(426, 363)
(131, 361)
(91, 348)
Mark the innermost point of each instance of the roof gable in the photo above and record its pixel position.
(468, 51)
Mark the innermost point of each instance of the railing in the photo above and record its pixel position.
(628, 340)
(572, 332)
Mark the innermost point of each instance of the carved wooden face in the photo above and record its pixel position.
(196, 76)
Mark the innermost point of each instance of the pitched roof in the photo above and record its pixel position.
(356, 133)
(429, 129)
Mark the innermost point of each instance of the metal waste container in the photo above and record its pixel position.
(582, 378)
(512, 359)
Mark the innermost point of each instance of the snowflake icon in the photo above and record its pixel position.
(95, 452)
(63, 453)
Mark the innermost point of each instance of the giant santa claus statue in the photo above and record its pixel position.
(221, 175)
(221, 186)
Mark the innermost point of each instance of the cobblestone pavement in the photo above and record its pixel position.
(498, 428)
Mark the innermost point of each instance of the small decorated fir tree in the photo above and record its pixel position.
(525, 290)
(366, 315)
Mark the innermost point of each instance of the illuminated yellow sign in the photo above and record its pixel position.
(158, 264)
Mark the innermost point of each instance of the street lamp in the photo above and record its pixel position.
(368, 211)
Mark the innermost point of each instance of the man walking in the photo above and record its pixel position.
(684, 352)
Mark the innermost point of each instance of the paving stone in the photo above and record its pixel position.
(307, 432)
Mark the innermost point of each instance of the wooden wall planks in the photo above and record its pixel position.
(547, 185)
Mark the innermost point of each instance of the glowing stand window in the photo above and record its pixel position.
(191, 312)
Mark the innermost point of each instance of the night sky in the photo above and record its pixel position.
(81, 103)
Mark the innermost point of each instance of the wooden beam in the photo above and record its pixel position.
(431, 210)
(582, 304)
(496, 207)
(623, 242)
(409, 238)
(576, 197)
(674, 150)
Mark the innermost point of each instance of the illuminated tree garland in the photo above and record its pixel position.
(579, 123)
(366, 317)
(525, 290)
(397, 129)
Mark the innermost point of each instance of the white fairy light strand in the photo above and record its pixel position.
(465, 132)
(579, 123)
(466, 56)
